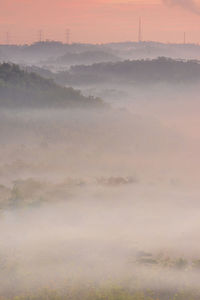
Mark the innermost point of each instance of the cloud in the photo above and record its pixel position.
(190, 5)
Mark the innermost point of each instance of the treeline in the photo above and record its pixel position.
(44, 50)
(19, 88)
(133, 72)
(51, 50)
(85, 57)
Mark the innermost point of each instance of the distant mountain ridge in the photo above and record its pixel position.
(50, 51)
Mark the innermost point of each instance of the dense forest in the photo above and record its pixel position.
(19, 88)
(133, 72)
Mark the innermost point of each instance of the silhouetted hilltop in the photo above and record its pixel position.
(19, 88)
(86, 57)
(133, 72)
(45, 50)
(51, 51)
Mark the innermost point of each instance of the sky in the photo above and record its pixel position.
(99, 21)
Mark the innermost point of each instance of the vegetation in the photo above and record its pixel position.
(95, 294)
(51, 50)
(108, 292)
(86, 57)
(18, 88)
(133, 72)
(39, 261)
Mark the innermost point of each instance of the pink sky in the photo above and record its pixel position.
(97, 21)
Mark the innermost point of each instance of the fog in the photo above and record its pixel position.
(97, 196)
(96, 238)
(106, 196)
(81, 143)
(56, 56)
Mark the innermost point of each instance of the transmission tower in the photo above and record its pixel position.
(184, 38)
(7, 38)
(67, 33)
(140, 30)
(40, 35)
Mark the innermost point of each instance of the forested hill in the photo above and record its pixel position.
(86, 57)
(133, 72)
(19, 88)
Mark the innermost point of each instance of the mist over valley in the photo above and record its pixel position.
(99, 171)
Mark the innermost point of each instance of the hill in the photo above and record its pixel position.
(86, 57)
(18, 88)
(133, 72)
(48, 52)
